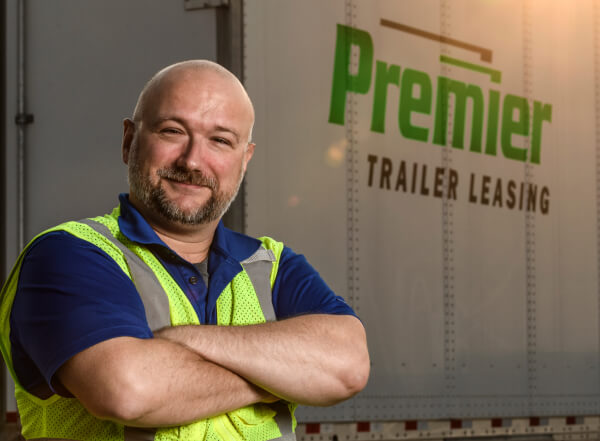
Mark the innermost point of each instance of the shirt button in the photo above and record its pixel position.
(193, 280)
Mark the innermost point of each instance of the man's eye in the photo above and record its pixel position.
(222, 140)
(170, 131)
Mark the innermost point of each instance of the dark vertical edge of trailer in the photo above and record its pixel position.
(230, 53)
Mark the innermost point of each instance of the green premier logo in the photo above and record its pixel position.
(509, 114)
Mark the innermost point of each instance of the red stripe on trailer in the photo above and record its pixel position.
(410, 425)
(312, 428)
(456, 424)
(363, 426)
(11, 417)
(534, 421)
(496, 422)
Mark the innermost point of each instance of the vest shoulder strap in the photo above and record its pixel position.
(258, 268)
(156, 303)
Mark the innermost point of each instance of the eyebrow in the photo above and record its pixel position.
(163, 119)
(228, 130)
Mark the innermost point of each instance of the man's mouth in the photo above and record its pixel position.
(187, 184)
(187, 179)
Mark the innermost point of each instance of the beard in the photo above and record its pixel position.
(153, 195)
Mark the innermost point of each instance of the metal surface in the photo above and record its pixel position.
(191, 5)
(230, 53)
(348, 409)
(534, 429)
(596, 15)
(448, 241)
(473, 308)
(21, 140)
(530, 251)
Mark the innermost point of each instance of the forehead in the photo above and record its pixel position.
(200, 96)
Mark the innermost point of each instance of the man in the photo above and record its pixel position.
(101, 317)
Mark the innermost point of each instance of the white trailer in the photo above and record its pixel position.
(437, 161)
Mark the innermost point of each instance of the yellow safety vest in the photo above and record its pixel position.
(246, 300)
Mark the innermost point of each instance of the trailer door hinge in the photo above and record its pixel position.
(190, 5)
(22, 119)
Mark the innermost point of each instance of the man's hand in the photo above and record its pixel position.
(316, 360)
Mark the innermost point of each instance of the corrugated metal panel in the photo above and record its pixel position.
(481, 304)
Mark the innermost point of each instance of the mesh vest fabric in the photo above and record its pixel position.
(58, 417)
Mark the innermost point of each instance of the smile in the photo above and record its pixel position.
(186, 185)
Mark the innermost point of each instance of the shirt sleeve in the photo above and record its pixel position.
(299, 289)
(71, 295)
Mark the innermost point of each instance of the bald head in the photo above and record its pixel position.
(190, 71)
(188, 145)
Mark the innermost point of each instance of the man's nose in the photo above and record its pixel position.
(193, 153)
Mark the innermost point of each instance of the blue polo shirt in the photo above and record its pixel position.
(72, 295)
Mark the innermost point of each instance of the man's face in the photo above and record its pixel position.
(190, 150)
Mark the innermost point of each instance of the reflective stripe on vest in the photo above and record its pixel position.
(156, 304)
(258, 267)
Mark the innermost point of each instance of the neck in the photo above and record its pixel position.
(191, 246)
(191, 242)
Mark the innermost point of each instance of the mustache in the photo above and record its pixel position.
(185, 176)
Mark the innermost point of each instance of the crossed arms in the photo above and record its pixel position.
(188, 373)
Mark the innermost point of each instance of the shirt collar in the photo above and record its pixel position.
(133, 225)
(228, 243)
(232, 244)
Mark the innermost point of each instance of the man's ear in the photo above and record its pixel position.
(128, 135)
(248, 154)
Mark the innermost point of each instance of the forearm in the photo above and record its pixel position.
(155, 382)
(311, 359)
(188, 388)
